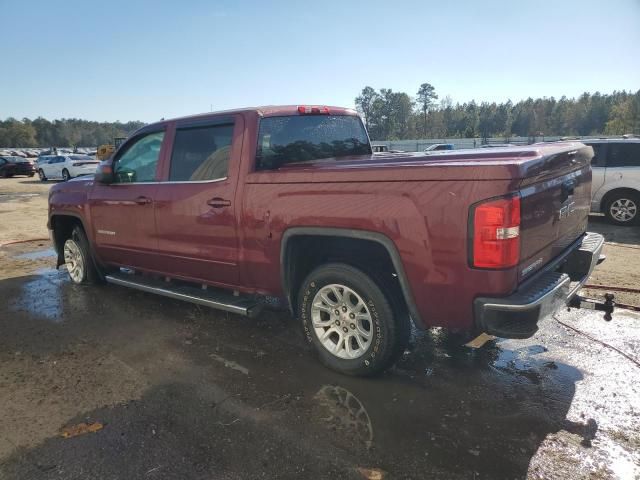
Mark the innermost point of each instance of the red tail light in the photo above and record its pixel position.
(496, 233)
(307, 110)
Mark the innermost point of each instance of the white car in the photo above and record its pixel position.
(615, 188)
(66, 166)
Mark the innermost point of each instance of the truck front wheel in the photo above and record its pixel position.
(77, 257)
(350, 321)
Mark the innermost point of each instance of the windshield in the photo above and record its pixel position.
(15, 159)
(302, 138)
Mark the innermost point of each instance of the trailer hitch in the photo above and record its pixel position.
(605, 306)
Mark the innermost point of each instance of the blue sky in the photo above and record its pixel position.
(139, 60)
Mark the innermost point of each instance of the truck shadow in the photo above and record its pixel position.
(244, 397)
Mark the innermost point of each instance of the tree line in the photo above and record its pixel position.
(391, 115)
(71, 132)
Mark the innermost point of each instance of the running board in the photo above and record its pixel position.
(209, 298)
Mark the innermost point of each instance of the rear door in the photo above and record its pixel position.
(598, 172)
(623, 165)
(122, 215)
(195, 208)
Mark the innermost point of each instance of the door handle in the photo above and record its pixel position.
(143, 200)
(219, 202)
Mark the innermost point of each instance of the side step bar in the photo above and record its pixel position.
(209, 298)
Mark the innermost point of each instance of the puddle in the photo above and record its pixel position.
(343, 413)
(38, 254)
(42, 296)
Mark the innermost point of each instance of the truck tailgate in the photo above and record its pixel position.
(555, 200)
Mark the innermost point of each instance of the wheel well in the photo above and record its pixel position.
(62, 226)
(617, 191)
(303, 253)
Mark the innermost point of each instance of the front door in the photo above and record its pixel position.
(122, 215)
(194, 208)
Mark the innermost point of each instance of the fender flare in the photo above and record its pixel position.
(379, 238)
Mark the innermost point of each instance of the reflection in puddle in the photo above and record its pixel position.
(38, 254)
(42, 296)
(343, 413)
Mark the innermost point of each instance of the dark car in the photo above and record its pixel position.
(10, 166)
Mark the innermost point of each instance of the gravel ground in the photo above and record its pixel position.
(186, 392)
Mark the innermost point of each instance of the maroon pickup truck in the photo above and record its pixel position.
(287, 206)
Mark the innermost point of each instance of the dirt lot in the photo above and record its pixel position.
(185, 392)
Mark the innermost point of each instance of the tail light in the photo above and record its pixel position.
(307, 110)
(496, 233)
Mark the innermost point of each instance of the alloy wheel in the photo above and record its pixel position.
(74, 261)
(623, 209)
(342, 321)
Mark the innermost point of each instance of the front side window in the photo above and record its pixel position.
(623, 155)
(138, 162)
(201, 153)
(302, 138)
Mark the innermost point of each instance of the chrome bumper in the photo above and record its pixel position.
(517, 315)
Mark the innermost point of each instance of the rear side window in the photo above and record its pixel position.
(302, 138)
(623, 155)
(201, 153)
(598, 154)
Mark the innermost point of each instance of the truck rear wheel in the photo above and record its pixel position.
(350, 321)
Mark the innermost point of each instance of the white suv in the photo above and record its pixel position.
(615, 189)
(66, 166)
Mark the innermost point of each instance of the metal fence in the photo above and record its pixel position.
(459, 143)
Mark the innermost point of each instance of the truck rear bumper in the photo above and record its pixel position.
(517, 315)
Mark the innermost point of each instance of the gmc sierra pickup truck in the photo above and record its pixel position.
(288, 206)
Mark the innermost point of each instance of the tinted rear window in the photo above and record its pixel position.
(201, 153)
(302, 138)
(598, 154)
(623, 155)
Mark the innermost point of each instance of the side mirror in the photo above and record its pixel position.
(104, 173)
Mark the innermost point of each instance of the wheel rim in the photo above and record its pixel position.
(74, 260)
(623, 209)
(341, 321)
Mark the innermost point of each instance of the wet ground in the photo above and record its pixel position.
(187, 392)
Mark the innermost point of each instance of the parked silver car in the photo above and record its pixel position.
(615, 190)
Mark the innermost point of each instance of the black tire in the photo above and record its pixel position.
(90, 274)
(389, 329)
(66, 176)
(623, 199)
(31, 175)
(6, 175)
(42, 176)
